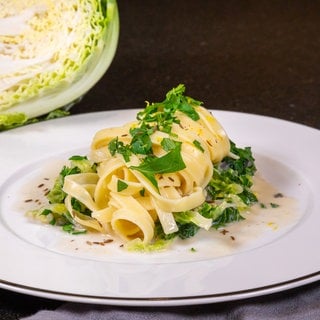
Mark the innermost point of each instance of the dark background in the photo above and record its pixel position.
(249, 56)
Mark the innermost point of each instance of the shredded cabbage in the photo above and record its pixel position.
(47, 45)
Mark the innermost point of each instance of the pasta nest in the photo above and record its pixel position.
(132, 212)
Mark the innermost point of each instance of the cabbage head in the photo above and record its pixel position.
(52, 52)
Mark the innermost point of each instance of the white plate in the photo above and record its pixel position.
(41, 260)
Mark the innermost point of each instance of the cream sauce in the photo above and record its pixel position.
(265, 221)
(273, 216)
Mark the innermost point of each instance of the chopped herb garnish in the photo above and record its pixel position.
(170, 162)
(78, 206)
(157, 117)
(77, 158)
(169, 144)
(141, 142)
(228, 193)
(198, 145)
(121, 185)
(70, 228)
(162, 114)
(116, 146)
(188, 109)
(45, 212)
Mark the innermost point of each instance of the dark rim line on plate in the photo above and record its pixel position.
(210, 298)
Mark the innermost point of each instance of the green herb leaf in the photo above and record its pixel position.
(45, 212)
(162, 114)
(169, 144)
(141, 142)
(53, 221)
(189, 110)
(116, 146)
(66, 171)
(70, 228)
(121, 185)
(80, 207)
(170, 162)
(274, 205)
(198, 145)
(77, 158)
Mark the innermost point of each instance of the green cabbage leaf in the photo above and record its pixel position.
(51, 53)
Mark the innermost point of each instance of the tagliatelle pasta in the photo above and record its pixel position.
(127, 213)
(155, 175)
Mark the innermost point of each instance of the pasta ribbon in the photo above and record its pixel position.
(126, 201)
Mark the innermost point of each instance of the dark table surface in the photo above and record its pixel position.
(259, 57)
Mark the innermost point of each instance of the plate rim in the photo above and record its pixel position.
(242, 294)
(164, 301)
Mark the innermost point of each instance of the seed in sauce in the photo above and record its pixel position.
(98, 242)
(278, 195)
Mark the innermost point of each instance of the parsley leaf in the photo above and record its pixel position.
(168, 144)
(141, 142)
(198, 145)
(121, 185)
(116, 146)
(170, 162)
(188, 109)
(77, 158)
(162, 114)
(70, 228)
